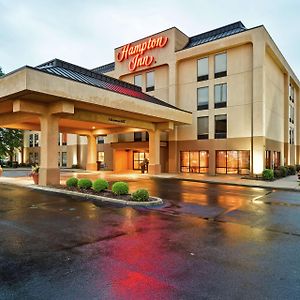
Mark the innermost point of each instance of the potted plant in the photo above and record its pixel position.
(35, 173)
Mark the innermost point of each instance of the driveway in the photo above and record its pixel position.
(207, 242)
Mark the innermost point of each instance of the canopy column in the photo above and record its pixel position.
(91, 163)
(49, 173)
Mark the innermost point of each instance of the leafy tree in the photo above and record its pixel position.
(1, 73)
(10, 140)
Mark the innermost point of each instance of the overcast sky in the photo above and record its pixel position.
(85, 32)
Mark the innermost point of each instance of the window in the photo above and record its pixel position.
(138, 80)
(150, 81)
(64, 139)
(291, 136)
(30, 140)
(36, 158)
(202, 98)
(194, 161)
(220, 65)
(220, 95)
(202, 128)
(268, 159)
(221, 127)
(100, 156)
(137, 136)
(64, 159)
(202, 69)
(100, 139)
(276, 159)
(138, 158)
(292, 113)
(36, 140)
(233, 162)
(292, 93)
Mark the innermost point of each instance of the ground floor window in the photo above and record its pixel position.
(233, 162)
(138, 158)
(194, 161)
(268, 159)
(276, 159)
(64, 159)
(100, 156)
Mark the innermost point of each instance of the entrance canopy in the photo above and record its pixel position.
(60, 97)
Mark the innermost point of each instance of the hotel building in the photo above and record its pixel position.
(222, 102)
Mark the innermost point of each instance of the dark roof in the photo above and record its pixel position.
(215, 34)
(105, 68)
(69, 71)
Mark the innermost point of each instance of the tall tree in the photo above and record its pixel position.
(1, 73)
(10, 140)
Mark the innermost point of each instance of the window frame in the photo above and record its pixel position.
(202, 106)
(221, 135)
(221, 73)
(220, 104)
(203, 136)
(150, 88)
(202, 77)
(134, 80)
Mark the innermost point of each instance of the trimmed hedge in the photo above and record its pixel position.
(140, 195)
(268, 174)
(292, 170)
(120, 188)
(283, 171)
(72, 182)
(277, 173)
(100, 185)
(84, 183)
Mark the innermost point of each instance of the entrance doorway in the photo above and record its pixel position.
(138, 158)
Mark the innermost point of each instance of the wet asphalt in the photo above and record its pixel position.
(207, 242)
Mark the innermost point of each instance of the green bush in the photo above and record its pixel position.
(292, 170)
(297, 168)
(84, 183)
(120, 188)
(268, 174)
(283, 171)
(100, 185)
(140, 195)
(72, 182)
(277, 173)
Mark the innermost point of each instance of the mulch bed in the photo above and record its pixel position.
(105, 193)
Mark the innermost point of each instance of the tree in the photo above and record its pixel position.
(10, 140)
(1, 73)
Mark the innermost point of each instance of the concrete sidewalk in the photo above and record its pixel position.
(20, 177)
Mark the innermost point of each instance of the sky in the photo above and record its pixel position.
(85, 32)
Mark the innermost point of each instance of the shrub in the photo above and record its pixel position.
(120, 188)
(140, 195)
(268, 174)
(84, 183)
(292, 170)
(283, 171)
(100, 185)
(277, 173)
(297, 168)
(72, 182)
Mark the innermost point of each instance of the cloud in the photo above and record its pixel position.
(86, 32)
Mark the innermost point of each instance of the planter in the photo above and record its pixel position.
(35, 178)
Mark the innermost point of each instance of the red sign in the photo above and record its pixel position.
(136, 52)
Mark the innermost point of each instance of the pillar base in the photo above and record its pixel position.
(49, 176)
(154, 169)
(91, 167)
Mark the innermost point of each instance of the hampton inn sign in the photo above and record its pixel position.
(136, 53)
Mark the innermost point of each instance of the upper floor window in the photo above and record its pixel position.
(292, 93)
(137, 136)
(36, 140)
(221, 127)
(100, 139)
(64, 138)
(30, 140)
(202, 98)
(138, 80)
(291, 136)
(220, 65)
(202, 69)
(149, 81)
(292, 114)
(202, 128)
(220, 95)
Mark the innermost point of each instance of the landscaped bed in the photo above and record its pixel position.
(118, 193)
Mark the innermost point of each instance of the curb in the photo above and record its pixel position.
(230, 183)
(97, 199)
